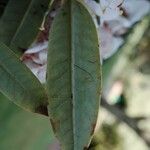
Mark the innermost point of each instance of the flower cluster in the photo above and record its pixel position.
(116, 17)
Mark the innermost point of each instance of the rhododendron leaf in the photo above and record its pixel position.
(19, 84)
(11, 19)
(73, 76)
(29, 27)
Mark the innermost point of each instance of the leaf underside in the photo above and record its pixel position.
(19, 84)
(73, 76)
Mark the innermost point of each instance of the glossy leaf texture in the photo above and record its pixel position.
(19, 84)
(73, 76)
(11, 19)
(30, 24)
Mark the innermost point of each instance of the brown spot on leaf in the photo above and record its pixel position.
(55, 125)
(93, 128)
(85, 148)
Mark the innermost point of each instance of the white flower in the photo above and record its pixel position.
(110, 9)
(109, 44)
(106, 9)
(120, 24)
(38, 70)
(35, 59)
(136, 9)
(37, 47)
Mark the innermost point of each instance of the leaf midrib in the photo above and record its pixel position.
(72, 50)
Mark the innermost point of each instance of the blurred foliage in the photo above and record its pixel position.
(142, 57)
(131, 40)
(106, 139)
(21, 130)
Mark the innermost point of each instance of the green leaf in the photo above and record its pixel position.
(19, 84)
(29, 27)
(74, 76)
(21, 130)
(3, 4)
(11, 19)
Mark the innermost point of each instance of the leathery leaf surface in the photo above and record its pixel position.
(18, 83)
(73, 76)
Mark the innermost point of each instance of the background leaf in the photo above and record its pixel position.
(73, 76)
(22, 130)
(11, 19)
(29, 27)
(3, 4)
(19, 84)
